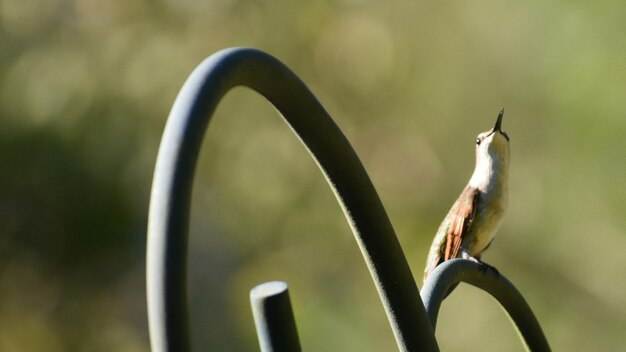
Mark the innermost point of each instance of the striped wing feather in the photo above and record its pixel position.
(456, 225)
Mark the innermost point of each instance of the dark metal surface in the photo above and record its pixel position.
(454, 271)
(273, 318)
(172, 184)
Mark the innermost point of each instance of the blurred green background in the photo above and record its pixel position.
(85, 90)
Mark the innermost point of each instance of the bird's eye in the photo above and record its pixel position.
(478, 141)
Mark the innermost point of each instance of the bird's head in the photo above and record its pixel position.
(493, 145)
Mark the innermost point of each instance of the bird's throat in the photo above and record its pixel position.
(489, 173)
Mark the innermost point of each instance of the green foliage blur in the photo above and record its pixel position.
(85, 90)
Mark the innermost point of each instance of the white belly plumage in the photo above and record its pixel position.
(484, 229)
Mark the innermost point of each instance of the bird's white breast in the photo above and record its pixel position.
(486, 223)
(490, 177)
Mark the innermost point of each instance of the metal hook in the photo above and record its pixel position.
(451, 272)
(172, 184)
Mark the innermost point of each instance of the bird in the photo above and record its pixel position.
(471, 224)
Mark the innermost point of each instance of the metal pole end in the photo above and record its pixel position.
(268, 289)
(273, 317)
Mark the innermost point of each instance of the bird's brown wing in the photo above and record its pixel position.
(460, 221)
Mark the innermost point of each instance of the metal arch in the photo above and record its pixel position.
(172, 184)
(451, 272)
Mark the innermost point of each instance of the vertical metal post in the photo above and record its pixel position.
(273, 317)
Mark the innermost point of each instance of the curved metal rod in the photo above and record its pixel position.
(451, 272)
(172, 184)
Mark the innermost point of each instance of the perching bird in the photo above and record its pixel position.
(470, 226)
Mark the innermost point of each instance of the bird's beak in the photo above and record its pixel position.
(498, 126)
